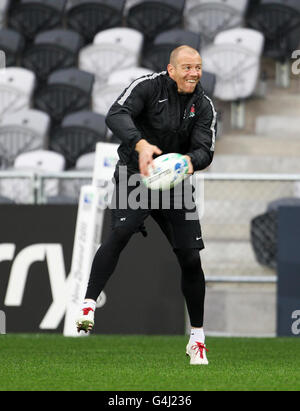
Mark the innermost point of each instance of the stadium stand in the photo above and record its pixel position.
(90, 17)
(12, 43)
(112, 49)
(77, 135)
(66, 91)
(38, 161)
(212, 17)
(32, 16)
(52, 50)
(267, 142)
(16, 89)
(156, 56)
(21, 132)
(153, 17)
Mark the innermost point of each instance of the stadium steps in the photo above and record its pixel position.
(223, 258)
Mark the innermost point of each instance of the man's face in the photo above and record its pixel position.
(187, 71)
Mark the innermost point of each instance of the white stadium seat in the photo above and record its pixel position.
(104, 97)
(38, 161)
(127, 76)
(113, 49)
(22, 131)
(16, 89)
(235, 60)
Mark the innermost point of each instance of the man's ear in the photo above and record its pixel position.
(170, 69)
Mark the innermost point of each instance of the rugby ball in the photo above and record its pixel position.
(166, 172)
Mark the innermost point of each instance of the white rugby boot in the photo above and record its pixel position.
(85, 321)
(197, 353)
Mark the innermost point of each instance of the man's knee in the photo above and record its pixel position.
(121, 235)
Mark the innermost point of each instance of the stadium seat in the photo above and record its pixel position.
(157, 56)
(12, 43)
(52, 50)
(279, 21)
(21, 132)
(32, 16)
(71, 188)
(153, 17)
(90, 17)
(127, 76)
(78, 135)
(4, 4)
(16, 89)
(40, 162)
(104, 97)
(235, 60)
(66, 91)
(211, 17)
(6, 200)
(208, 82)
(113, 49)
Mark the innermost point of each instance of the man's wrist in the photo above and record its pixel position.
(140, 144)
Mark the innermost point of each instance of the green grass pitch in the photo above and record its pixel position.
(146, 363)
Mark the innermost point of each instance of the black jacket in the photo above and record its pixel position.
(150, 109)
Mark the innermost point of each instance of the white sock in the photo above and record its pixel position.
(89, 303)
(197, 334)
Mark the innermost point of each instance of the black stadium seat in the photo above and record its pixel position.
(208, 82)
(29, 17)
(90, 17)
(52, 50)
(153, 17)
(66, 91)
(78, 135)
(156, 57)
(12, 43)
(279, 21)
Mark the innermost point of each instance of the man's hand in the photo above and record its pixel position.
(146, 152)
(191, 167)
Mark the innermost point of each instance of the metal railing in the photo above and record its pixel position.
(232, 203)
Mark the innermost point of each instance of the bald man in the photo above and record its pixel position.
(160, 113)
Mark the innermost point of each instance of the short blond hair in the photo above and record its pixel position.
(175, 53)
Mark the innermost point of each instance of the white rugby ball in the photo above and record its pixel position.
(167, 171)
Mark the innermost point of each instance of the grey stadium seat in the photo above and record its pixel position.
(93, 16)
(6, 200)
(29, 17)
(153, 17)
(78, 135)
(52, 50)
(208, 82)
(12, 43)
(3, 12)
(66, 91)
(210, 17)
(157, 56)
(22, 131)
(16, 89)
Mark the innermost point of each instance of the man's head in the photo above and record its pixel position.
(185, 68)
